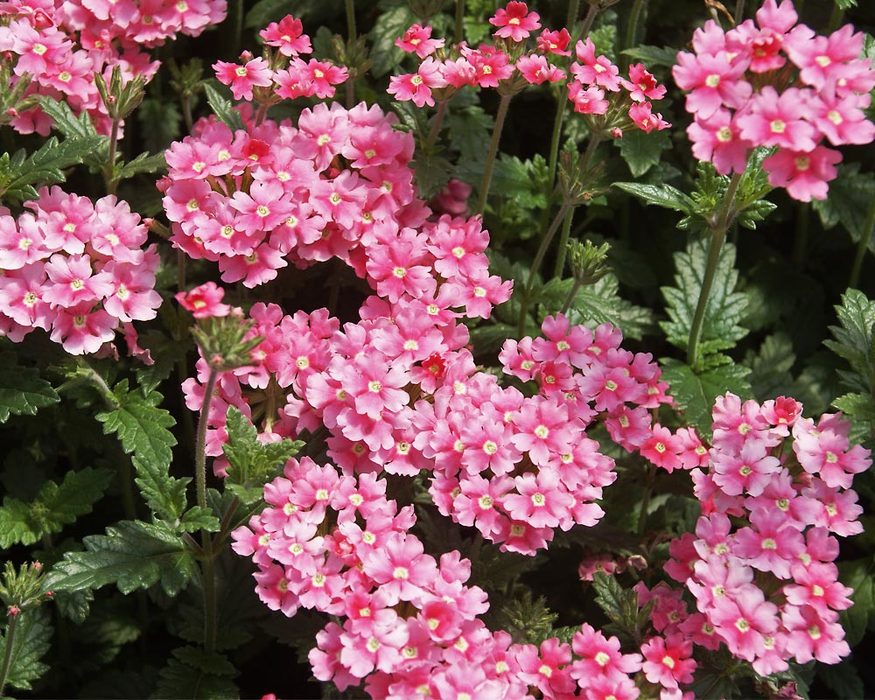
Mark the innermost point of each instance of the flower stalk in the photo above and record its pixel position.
(486, 181)
(10, 645)
(863, 245)
(719, 227)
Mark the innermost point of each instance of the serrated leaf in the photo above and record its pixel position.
(143, 429)
(770, 367)
(721, 328)
(642, 151)
(252, 463)
(855, 339)
(20, 175)
(621, 607)
(846, 4)
(520, 181)
(390, 26)
(265, 11)
(22, 390)
(132, 555)
(664, 196)
(143, 163)
(432, 172)
(695, 391)
(54, 506)
(468, 130)
(198, 518)
(601, 303)
(223, 108)
(32, 640)
(72, 126)
(855, 620)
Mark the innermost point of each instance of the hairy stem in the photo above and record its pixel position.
(536, 264)
(632, 27)
(719, 227)
(109, 170)
(862, 246)
(571, 294)
(7, 656)
(436, 124)
(559, 267)
(491, 155)
(645, 500)
(208, 567)
(186, 112)
(739, 11)
(459, 32)
(351, 35)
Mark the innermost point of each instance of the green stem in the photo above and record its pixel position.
(200, 456)
(835, 19)
(645, 500)
(7, 656)
(238, 26)
(536, 264)
(739, 10)
(585, 161)
(632, 26)
(486, 182)
(862, 246)
(109, 170)
(351, 35)
(719, 227)
(436, 124)
(559, 268)
(588, 20)
(459, 33)
(208, 569)
(571, 294)
(186, 112)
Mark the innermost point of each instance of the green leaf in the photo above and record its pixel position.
(518, 180)
(53, 507)
(143, 429)
(664, 196)
(198, 518)
(695, 391)
(860, 409)
(855, 339)
(770, 367)
(721, 328)
(846, 4)
(601, 303)
(22, 390)
(132, 555)
(620, 605)
(390, 26)
(642, 151)
(20, 174)
(653, 55)
(432, 172)
(252, 463)
(72, 127)
(196, 673)
(223, 107)
(527, 619)
(468, 130)
(264, 12)
(850, 196)
(33, 634)
(143, 163)
(856, 620)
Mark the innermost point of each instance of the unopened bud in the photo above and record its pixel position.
(13, 611)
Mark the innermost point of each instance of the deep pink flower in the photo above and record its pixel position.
(514, 21)
(417, 39)
(243, 78)
(805, 175)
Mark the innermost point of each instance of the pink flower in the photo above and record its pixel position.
(204, 301)
(288, 36)
(537, 70)
(417, 39)
(662, 448)
(542, 429)
(842, 120)
(717, 139)
(540, 500)
(814, 636)
(642, 116)
(819, 58)
(712, 81)
(555, 42)
(595, 70)
(243, 78)
(600, 657)
(805, 175)
(514, 21)
(82, 329)
(642, 86)
(779, 120)
(418, 86)
(668, 661)
(587, 100)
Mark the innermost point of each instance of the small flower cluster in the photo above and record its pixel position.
(764, 581)
(58, 47)
(509, 65)
(75, 268)
(281, 73)
(406, 624)
(775, 84)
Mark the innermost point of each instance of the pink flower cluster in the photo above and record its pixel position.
(406, 624)
(760, 564)
(76, 269)
(59, 46)
(336, 185)
(775, 84)
(509, 65)
(281, 73)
